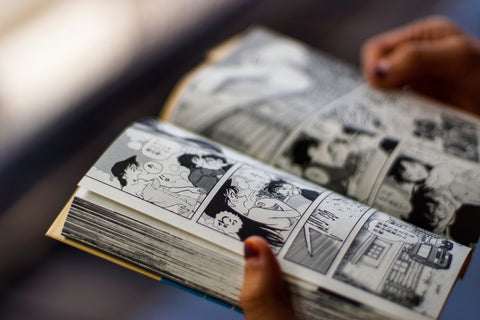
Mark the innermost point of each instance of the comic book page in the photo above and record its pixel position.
(401, 154)
(310, 115)
(270, 86)
(407, 116)
(319, 236)
(263, 89)
(433, 190)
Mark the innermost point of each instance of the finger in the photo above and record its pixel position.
(380, 46)
(427, 29)
(264, 294)
(414, 61)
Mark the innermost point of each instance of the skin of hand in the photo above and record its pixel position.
(432, 56)
(264, 295)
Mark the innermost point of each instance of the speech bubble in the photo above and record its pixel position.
(388, 231)
(227, 222)
(160, 149)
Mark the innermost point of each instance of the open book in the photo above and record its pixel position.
(290, 144)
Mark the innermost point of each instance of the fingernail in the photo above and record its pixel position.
(380, 71)
(250, 251)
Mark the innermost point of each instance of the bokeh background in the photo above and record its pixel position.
(73, 73)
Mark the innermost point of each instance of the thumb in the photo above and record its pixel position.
(264, 295)
(413, 61)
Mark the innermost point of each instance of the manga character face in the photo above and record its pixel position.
(333, 154)
(286, 189)
(414, 171)
(316, 152)
(132, 172)
(338, 150)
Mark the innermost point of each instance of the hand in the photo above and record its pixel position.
(433, 56)
(264, 295)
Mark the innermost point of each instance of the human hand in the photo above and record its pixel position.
(432, 56)
(264, 295)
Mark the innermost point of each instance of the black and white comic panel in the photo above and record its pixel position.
(397, 261)
(438, 195)
(254, 202)
(339, 158)
(457, 136)
(170, 172)
(324, 232)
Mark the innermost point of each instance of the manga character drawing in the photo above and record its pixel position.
(301, 199)
(262, 204)
(205, 170)
(336, 160)
(333, 175)
(443, 199)
(268, 211)
(296, 197)
(134, 180)
(244, 211)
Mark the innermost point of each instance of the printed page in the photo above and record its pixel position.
(253, 98)
(407, 116)
(433, 190)
(271, 85)
(401, 154)
(320, 237)
(310, 115)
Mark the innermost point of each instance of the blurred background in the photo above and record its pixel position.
(74, 73)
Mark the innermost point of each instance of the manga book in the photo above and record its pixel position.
(368, 198)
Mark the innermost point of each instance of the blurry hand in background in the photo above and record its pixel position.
(432, 56)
